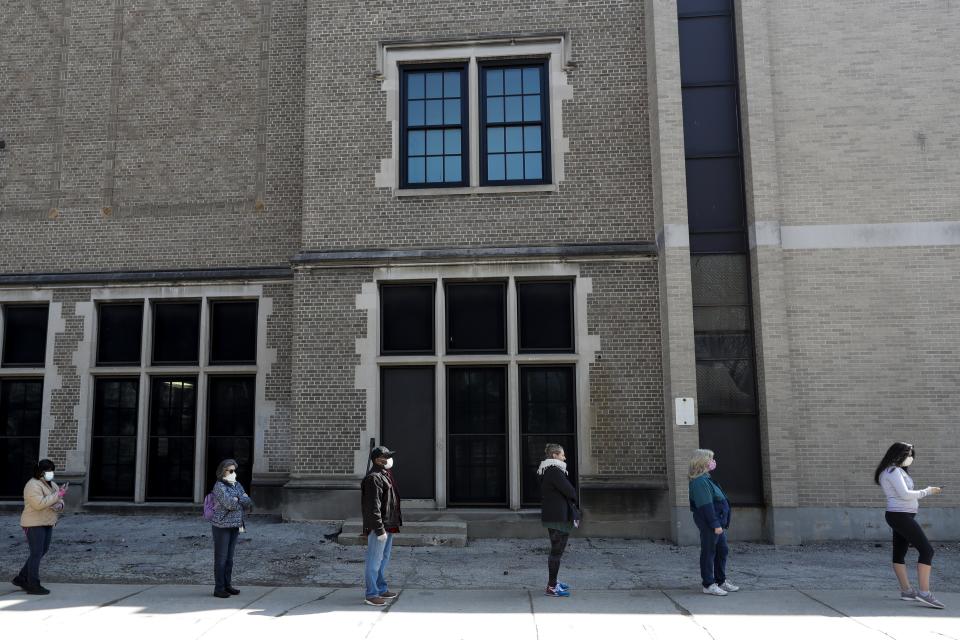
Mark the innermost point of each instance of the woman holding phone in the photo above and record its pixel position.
(42, 504)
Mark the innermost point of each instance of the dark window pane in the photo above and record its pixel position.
(233, 332)
(231, 415)
(406, 318)
(710, 124)
(21, 403)
(707, 50)
(545, 312)
(476, 317)
(733, 242)
(735, 442)
(173, 411)
(721, 319)
(720, 279)
(176, 332)
(688, 7)
(477, 426)
(723, 345)
(114, 444)
(714, 195)
(547, 415)
(24, 335)
(407, 416)
(119, 335)
(726, 386)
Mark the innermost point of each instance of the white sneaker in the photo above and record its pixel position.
(729, 586)
(714, 590)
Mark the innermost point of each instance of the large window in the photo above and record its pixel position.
(196, 346)
(21, 403)
(508, 342)
(514, 112)
(24, 335)
(434, 116)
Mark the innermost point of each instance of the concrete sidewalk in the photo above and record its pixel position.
(184, 612)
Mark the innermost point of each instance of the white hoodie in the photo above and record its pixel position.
(898, 487)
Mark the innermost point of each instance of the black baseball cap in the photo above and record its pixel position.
(381, 452)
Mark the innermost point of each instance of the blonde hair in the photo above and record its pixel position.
(699, 461)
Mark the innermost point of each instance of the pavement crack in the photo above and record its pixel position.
(536, 629)
(384, 611)
(6, 593)
(844, 614)
(686, 613)
(121, 599)
(286, 611)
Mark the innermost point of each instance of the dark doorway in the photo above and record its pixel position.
(173, 432)
(477, 436)
(407, 424)
(21, 403)
(230, 420)
(547, 415)
(113, 448)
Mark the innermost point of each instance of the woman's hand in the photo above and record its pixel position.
(718, 530)
(934, 490)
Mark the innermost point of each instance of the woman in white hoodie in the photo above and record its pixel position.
(903, 502)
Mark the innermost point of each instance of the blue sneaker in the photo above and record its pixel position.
(563, 585)
(557, 592)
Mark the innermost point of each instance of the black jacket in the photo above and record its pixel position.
(559, 498)
(379, 502)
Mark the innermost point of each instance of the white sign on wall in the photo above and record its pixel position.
(685, 411)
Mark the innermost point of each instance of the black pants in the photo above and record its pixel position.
(224, 544)
(558, 542)
(39, 540)
(907, 532)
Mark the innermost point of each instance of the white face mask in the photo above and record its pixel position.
(907, 461)
(230, 477)
(48, 476)
(389, 464)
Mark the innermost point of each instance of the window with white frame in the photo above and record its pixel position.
(475, 117)
(173, 394)
(500, 341)
(23, 351)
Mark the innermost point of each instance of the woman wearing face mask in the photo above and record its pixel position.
(42, 502)
(903, 502)
(231, 502)
(711, 514)
(559, 512)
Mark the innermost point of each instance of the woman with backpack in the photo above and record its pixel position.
(42, 504)
(560, 512)
(230, 504)
(711, 514)
(903, 502)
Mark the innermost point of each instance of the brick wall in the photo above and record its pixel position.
(65, 397)
(280, 326)
(626, 381)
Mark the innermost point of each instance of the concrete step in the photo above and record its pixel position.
(441, 533)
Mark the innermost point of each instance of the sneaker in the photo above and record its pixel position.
(729, 587)
(42, 591)
(232, 591)
(375, 601)
(388, 595)
(929, 600)
(221, 594)
(714, 590)
(18, 582)
(909, 596)
(563, 585)
(556, 592)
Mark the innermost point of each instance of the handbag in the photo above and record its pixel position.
(209, 502)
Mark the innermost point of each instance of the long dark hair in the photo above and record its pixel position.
(894, 457)
(41, 467)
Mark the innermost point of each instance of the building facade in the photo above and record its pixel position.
(283, 230)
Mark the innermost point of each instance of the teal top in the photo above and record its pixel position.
(704, 491)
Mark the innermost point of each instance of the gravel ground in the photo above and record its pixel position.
(152, 549)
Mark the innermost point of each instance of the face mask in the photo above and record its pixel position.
(907, 461)
(48, 475)
(711, 465)
(389, 464)
(230, 477)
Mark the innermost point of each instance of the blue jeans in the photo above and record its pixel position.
(39, 540)
(378, 557)
(224, 544)
(713, 555)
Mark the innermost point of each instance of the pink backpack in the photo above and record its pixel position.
(208, 505)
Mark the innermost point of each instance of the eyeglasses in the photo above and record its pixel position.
(229, 470)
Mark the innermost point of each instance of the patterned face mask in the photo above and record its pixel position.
(711, 465)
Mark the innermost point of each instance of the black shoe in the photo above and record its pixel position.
(221, 594)
(232, 591)
(19, 582)
(37, 591)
